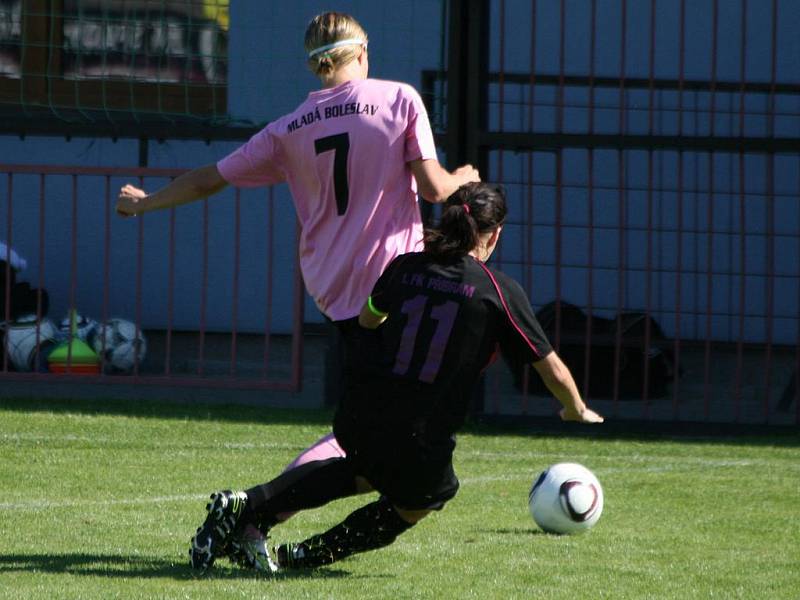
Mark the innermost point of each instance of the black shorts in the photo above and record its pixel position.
(413, 473)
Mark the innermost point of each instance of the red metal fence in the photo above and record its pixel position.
(156, 271)
(651, 152)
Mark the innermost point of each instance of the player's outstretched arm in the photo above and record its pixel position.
(435, 183)
(559, 381)
(198, 183)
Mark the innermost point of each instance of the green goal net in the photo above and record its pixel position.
(114, 60)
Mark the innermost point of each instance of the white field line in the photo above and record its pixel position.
(44, 504)
(784, 461)
(99, 440)
(33, 505)
(536, 458)
(600, 471)
(700, 461)
(460, 451)
(38, 437)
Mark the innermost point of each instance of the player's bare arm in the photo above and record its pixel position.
(198, 183)
(435, 183)
(559, 381)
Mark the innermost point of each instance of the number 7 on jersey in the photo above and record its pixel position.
(340, 144)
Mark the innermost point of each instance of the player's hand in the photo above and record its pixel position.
(587, 415)
(129, 201)
(467, 174)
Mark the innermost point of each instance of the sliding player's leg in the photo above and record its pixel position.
(228, 528)
(412, 481)
(248, 547)
(373, 526)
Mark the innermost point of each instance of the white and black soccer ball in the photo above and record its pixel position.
(85, 327)
(119, 344)
(21, 338)
(566, 498)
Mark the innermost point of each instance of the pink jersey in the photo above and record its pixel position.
(344, 153)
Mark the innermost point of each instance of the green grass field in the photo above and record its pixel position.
(100, 500)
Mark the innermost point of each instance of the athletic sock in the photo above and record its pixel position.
(370, 527)
(310, 485)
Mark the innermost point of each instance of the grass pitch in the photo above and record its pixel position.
(100, 500)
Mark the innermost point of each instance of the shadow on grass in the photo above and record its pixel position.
(490, 425)
(127, 566)
(165, 409)
(641, 431)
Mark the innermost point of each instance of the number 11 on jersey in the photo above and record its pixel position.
(445, 317)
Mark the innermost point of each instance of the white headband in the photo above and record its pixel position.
(338, 44)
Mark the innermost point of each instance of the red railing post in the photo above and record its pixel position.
(737, 394)
(770, 257)
(676, 346)
(237, 232)
(7, 258)
(649, 249)
(621, 212)
(587, 361)
(707, 384)
(270, 228)
(203, 293)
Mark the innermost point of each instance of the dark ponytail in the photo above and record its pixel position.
(473, 209)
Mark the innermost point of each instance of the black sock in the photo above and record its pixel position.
(370, 527)
(307, 486)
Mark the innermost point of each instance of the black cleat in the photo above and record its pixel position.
(211, 538)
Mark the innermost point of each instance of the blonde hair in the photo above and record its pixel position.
(326, 29)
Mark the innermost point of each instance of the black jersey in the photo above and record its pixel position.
(444, 326)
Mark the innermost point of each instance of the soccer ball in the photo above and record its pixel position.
(117, 343)
(566, 498)
(84, 327)
(21, 340)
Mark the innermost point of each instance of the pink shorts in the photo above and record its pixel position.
(324, 448)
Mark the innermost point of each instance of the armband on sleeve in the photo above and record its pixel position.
(374, 310)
